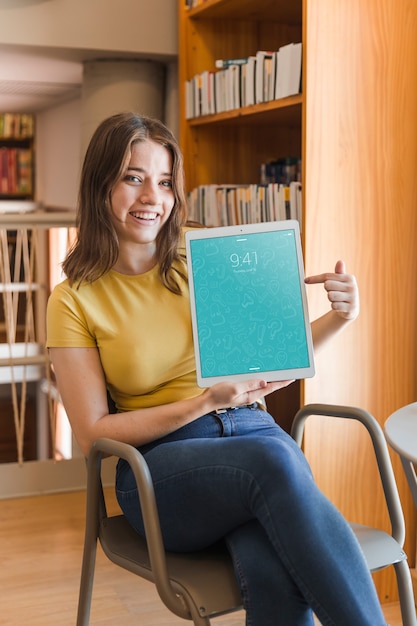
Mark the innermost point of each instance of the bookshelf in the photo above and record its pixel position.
(16, 156)
(355, 127)
(245, 137)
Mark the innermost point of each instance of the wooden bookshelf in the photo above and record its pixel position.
(355, 126)
(16, 156)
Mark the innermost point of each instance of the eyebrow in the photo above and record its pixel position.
(140, 169)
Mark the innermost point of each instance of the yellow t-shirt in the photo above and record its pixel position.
(141, 329)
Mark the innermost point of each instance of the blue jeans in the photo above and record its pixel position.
(238, 476)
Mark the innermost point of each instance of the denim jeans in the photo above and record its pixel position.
(237, 475)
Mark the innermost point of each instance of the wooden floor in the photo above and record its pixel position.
(41, 546)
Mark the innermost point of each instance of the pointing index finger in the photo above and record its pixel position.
(317, 278)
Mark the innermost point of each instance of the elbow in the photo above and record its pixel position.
(84, 444)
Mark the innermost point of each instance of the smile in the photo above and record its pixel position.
(145, 216)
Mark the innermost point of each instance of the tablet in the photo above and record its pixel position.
(248, 303)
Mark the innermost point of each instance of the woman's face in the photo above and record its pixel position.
(142, 201)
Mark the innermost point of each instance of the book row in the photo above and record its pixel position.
(228, 205)
(281, 171)
(245, 81)
(16, 125)
(16, 174)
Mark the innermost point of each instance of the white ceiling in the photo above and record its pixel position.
(33, 79)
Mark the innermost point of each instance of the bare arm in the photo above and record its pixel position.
(81, 383)
(342, 292)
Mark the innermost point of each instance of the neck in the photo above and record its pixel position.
(140, 260)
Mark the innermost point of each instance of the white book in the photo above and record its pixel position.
(275, 201)
(272, 77)
(233, 87)
(236, 86)
(294, 85)
(250, 81)
(219, 90)
(204, 79)
(288, 72)
(211, 94)
(210, 207)
(270, 212)
(254, 207)
(282, 214)
(262, 56)
(296, 201)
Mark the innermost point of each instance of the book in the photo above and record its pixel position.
(189, 99)
(288, 72)
(24, 172)
(234, 82)
(220, 91)
(249, 90)
(207, 93)
(263, 59)
(296, 201)
(270, 68)
(223, 64)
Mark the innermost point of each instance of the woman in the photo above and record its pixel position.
(121, 322)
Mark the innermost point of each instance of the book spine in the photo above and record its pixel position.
(223, 64)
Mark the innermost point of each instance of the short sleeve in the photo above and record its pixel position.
(66, 325)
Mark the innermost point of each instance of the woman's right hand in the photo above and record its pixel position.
(227, 394)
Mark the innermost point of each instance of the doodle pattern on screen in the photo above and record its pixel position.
(249, 304)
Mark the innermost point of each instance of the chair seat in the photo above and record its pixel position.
(207, 576)
(380, 548)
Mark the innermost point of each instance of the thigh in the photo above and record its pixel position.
(207, 487)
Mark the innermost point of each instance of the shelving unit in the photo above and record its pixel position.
(229, 147)
(355, 126)
(16, 156)
(27, 424)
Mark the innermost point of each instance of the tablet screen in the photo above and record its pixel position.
(248, 303)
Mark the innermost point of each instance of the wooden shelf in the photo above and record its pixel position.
(285, 111)
(258, 10)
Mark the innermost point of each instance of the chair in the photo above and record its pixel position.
(202, 585)
(380, 548)
(194, 586)
(401, 433)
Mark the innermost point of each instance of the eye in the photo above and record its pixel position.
(167, 183)
(132, 178)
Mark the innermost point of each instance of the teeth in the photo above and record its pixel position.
(145, 216)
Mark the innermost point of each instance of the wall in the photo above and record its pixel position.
(58, 151)
(116, 25)
(80, 27)
(58, 145)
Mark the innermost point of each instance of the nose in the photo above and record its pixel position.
(149, 193)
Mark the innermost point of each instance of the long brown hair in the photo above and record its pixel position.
(96, 247)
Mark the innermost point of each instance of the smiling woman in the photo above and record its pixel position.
(121, 323)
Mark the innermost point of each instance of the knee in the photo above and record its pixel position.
(280, 460)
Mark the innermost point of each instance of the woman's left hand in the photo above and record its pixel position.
(342, 290)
